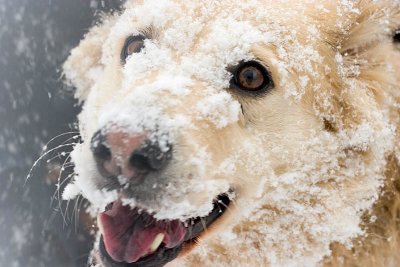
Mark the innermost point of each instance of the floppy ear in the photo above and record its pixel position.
(84, 62)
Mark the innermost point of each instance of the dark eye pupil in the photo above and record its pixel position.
(251, 78)
(249, 74)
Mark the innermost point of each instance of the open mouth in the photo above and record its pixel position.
(133, 237)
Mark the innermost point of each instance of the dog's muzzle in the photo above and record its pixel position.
(132, 236)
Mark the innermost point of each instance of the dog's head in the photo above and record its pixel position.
(264, 124)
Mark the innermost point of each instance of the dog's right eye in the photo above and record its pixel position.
(133, 44)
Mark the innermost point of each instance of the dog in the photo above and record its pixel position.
(251, 133)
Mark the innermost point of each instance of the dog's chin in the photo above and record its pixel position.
(133, 237)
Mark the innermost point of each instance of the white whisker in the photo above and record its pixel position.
(41, 157)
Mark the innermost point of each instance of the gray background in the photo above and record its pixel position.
(35, 38)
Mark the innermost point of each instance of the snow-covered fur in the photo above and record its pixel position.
(313, 164)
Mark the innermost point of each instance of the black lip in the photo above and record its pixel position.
(196, 225)
(164, 255)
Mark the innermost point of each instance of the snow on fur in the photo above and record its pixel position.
(193, 45)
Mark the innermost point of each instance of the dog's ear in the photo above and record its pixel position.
(372, 22)
(367, 60)
(83, 65)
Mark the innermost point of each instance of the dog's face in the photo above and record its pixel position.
(232, 125)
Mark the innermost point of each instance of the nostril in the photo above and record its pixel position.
(140, 162)
(102, 152)
(99, 148)
(150, 158)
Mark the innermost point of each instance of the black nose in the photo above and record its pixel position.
(131, 156)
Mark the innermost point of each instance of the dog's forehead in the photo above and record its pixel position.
(208, 34)
(190, 20)
(194, 42)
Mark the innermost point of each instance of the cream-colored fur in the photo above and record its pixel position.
(314, 163)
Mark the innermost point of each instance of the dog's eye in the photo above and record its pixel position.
(251, 76)
(133, 44)
(396, 36)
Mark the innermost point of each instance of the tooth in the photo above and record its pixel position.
(157, 242)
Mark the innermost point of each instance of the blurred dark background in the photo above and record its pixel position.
(35, 106)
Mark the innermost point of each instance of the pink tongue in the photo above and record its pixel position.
(128, 234)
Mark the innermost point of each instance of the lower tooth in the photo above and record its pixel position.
(157, 242)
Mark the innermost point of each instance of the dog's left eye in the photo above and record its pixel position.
(133, 44)
(251, 76)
